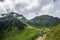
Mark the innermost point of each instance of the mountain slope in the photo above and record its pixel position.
(26, 34)
(44, 20)
(10, 21)
(11, 28)
(54, 34)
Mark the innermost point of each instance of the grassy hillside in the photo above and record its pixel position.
(26, 34)
(44, 21)
(8, 25)
(29, 33)
(54, 34)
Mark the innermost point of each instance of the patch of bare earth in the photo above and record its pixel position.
(41, 38)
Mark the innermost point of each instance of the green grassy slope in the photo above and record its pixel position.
(44, 21)
(29, 33)
(54, 34)
(26, 34)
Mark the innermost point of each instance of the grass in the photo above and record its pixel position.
(54, 34)
(27, 34)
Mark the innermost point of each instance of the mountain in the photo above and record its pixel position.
(54, 34)
(19, 16)
(44, 20)
(12, 28)
(10, 21)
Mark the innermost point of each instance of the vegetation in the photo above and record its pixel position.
(8, 23)
(44, 20)
(54, 34)
(26, 34)
(29, 33)
(17, 27)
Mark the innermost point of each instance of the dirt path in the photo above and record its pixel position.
(41, 38)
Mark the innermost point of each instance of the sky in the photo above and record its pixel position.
(31, 8)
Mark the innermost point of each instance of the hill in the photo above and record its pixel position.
(44, 20)
(54, 34)
(12, 28)
(26, 34)
(9, 22)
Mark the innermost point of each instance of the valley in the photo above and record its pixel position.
(43, 27)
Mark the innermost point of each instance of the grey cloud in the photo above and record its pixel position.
(20, 5)
(21, 8)
(37, 9)
(2, 0)
(42, 3)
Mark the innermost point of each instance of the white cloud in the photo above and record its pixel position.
(31, 15)
(33, 4)
(47, 9)
(56, 13)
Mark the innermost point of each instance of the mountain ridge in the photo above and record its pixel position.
(44, 20)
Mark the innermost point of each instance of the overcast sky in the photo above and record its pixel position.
(31, 8)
